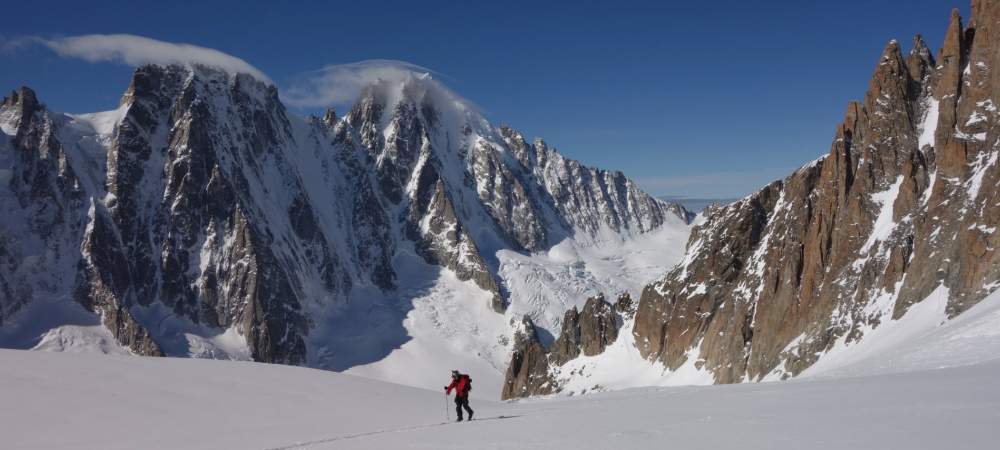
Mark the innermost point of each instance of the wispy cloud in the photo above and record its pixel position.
(340, 84)
(137, 50)
(336, 84)
(11, 44)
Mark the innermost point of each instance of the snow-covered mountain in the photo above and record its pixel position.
(890, 234)
(201, 218)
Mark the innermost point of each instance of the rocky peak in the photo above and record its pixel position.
(190, 173)
(949, 58)
(598, 326)
(523, 151)
(888, 86)
(21, 102)
(951, 153)
(330, 117)
(542, 151)
(367, 109)
(567, 345)
(855, 239)
(624, 304)
(921, 52)
(412, 94)
(157, 85)
(919, 64)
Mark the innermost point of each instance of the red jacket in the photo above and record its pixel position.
(460, 385)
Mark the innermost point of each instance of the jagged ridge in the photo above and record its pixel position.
(903, 206)
(202, 204)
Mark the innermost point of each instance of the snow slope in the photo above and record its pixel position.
(450, 327)
(73, 401)
(937, 390)
(922, 339)
(546, 284)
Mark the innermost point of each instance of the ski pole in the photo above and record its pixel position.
(447, 417)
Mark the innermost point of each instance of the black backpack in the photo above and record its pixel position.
(468, 383)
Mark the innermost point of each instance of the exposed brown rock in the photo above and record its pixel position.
(777, 278)
(528, 371)
(806, 266)
(951, 153)
(920, 62)
(567, 345)
(624, 304)
(588, 331)
(598, 326)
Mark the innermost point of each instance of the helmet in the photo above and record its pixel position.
(454, 374)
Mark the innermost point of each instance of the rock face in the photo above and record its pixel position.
(624, 305)
(903, 206)
(598, 326)
(202, 204)
(533, 368)
(528, 371)
(567, 345)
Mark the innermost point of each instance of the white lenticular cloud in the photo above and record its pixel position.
(137, 50)
(341, 83)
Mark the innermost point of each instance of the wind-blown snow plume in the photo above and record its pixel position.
(339, 84)
(137, 50)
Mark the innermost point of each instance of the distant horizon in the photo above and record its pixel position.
(696, 204)
(686, 197)
(620, 87)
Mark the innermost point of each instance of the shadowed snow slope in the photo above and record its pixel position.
(941, 392)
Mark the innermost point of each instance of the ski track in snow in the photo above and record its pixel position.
(370, 433)
(67, 401)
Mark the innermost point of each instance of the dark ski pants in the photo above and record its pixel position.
(462, 401)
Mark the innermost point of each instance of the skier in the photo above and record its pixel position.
(462, 384)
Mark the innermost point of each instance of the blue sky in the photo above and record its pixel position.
(702, 99)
